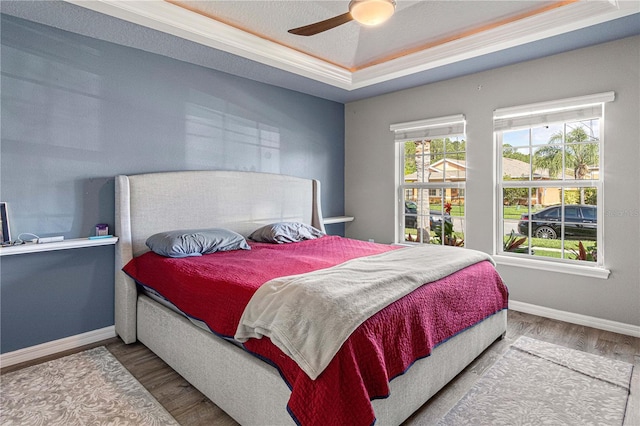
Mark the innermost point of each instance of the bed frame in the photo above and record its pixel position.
(248, 389)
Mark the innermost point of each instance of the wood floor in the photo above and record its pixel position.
(190, 408)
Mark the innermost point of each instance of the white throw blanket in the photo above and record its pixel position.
(310, 316)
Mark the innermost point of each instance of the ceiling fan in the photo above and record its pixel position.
(366, 12)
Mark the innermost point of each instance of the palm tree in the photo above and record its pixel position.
(580, 152)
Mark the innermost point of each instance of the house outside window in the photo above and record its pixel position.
(431, 181)
(550, 180)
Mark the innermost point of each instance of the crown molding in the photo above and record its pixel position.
(175, 20)
(559, 21)
(172, 19)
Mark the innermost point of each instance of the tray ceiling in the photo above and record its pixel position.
(439, 38)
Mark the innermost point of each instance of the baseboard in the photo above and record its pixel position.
(55, 346)
(72, 342)
(599, 323)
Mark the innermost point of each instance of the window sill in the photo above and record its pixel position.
(563, 268)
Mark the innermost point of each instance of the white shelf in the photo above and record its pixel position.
(61, 245)
(338, 219)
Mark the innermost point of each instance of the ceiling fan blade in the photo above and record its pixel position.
(318, 27)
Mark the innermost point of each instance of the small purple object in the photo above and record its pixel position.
(102, 229)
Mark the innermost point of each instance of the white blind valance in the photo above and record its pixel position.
(433, 128)
(532, 115)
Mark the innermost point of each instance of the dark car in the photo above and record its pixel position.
(411, 216)
(580, 222)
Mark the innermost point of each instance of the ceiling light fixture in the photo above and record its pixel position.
(371, 12)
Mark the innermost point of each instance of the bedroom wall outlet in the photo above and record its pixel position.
(371, 240)
(50, 239)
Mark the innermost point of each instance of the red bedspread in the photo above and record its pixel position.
(215, 289)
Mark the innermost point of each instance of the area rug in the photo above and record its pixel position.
(538, 383)
(87, 388)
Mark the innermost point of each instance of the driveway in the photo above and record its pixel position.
(510, 225)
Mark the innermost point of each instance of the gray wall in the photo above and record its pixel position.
(77, 111)
(370, 166)
(48, 296)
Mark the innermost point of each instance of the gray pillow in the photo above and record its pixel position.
(196, 242)
(285, 232)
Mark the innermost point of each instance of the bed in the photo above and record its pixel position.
(246, 387)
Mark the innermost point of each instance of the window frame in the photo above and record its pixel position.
(531, 116)
(429, 129)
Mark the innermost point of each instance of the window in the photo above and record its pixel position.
(431, 180)
(550, 180)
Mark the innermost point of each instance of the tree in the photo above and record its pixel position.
(580, 152)
(578, 155)
(410, 158)
(509, 151)
(456, 150)
(513, 196)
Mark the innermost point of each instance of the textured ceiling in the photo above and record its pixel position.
(416, 25)
(424, 42)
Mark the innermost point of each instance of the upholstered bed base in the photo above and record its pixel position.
(253, 393)
(249, 390)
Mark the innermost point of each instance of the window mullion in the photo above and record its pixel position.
(434, 185)
(549, 183)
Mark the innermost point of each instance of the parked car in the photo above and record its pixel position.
(580, 222)
(411, 216)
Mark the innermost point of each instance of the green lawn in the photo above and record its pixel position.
(552, 248)
(541, 246)
(510, 212)
(456, 210)
(516, 212)
(555, 244)
(537, 243)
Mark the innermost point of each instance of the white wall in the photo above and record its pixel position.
(370, 166)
